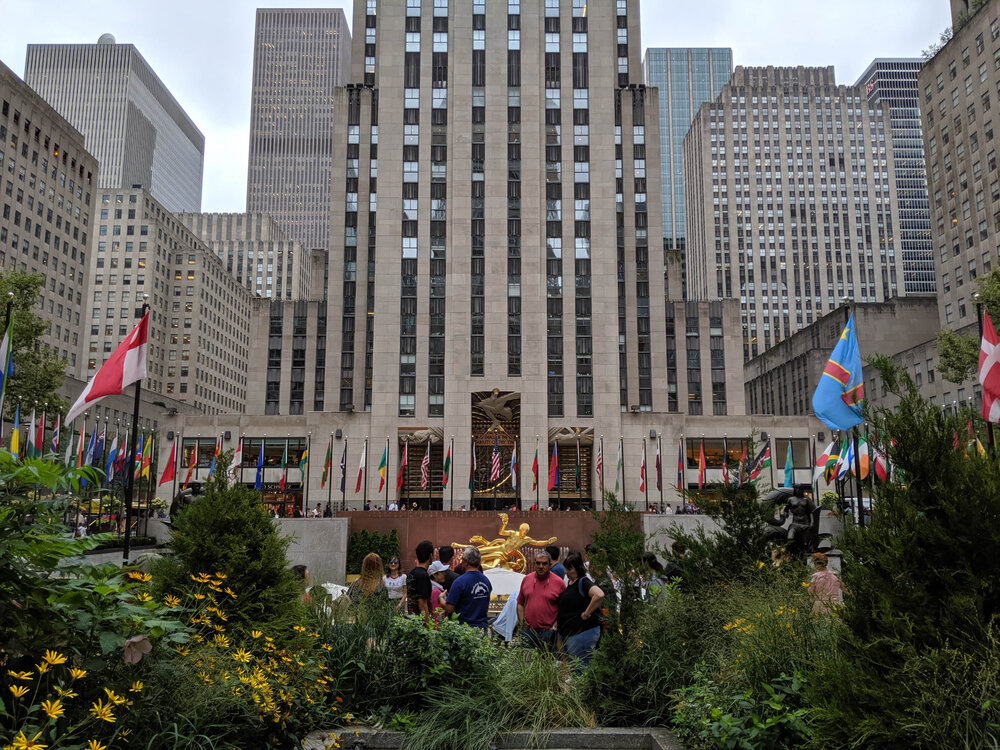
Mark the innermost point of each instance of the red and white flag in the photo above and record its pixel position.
(361, 467)
(642, 469)
(600, 463)
(989, 371)
(402, 468)
(125, 366)
(169, 469)
(425, 467)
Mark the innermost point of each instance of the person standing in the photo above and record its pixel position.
(470, 594)
(445, 555)
(370, 584)
(418, 582)
(395, 582)
(436, 572)
(824, 586)
(557, 567)
(578, 619)
(536, 604)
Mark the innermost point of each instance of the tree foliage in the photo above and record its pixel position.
(958, 355)
(38, 371)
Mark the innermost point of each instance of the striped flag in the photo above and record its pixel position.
(361, 467)
(821, 461)
(554, 467)
(343, 468)
(215, 456)
(642, 469)
(109, 463)
(328, 464)
(147, 456)
(659, 471)
(446, 469)
(495, 461)
(284, 468)
(425, 467)
(54, 446)
(513, 468)
(472, 471)
(15, 432)
(234, 467)
(989, 372)
(69, 448)
(383, 467)
(6, 358)
(30, 450)
(600, 463)
(680, 464)
(534, 470)
(193, 459)
(618, 468)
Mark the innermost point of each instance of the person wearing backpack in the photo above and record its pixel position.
(578, 618)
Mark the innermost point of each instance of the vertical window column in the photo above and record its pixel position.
(513, 188)
(477, 291)
(581, 215)
(620, 246)
(643, 344)
(372, 217)
(553, 210)
(349, 281)
(439, 211)
(272, 387)
(319, 380)
(410, 195)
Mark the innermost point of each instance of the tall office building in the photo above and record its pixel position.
(133, 125)
(300, 56)
(686, 78)
(892, 82)
(791, 200)
(959, 87)
(48, 180)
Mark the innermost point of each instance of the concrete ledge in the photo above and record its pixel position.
(561, 739)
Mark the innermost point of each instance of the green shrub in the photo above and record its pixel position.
(363, 541)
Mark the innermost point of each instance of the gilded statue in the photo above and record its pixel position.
(504, 551)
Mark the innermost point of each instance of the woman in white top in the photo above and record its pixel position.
(395, 581)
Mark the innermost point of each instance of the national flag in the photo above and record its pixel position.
(789, 467)
(425, 467)
(841, 389)
(54, 446)
(6, 358)
(29, 450)
(328, 464)
(237, 463)
(554, 467)
(304, 464)
(383, 467)
(109, 463)
(863, 457)
(701, 464)
(99, 447)
(343, 468)
(741, 467)
(472, 471)
(821, 462)
(725, 461)
(258, 482)
(361, 467)
(659, 470)
(137, 460)
(40, 436)
(79, 447)
(402, 467)
(88, 457)
(681, 484)
(832, 469)
(619, 467)
(119, 466)
(147, 457)
(881, 465)
(989, 372)
(600, 463)
(169, 469)
(534, 470)
(215, 456)
(642, 469)
(495, 462)
(192, 461)
(513, 468)
(69, 448)
(446, 469)
(284, 468)
(15, 432)
(761, 462)
(846, 460)
(125, 366)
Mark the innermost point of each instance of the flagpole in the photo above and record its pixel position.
(535, 478)
(305, 475)
(387, 472)
(10, 349)
(857, 469)
(451, 479)
(365, 454)
(645, 471)
(621, 450)
(977, 300)
(430, 484)
(773, 456)
(130, 479)
(343, 479)
(815, 479)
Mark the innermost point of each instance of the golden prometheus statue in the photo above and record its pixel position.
(504, 551)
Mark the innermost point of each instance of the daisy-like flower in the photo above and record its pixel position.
(171, 601)
(136, 687)
(113, 698)
(182, 650)
(138, 575)
(143, 597)
(19, 691)
(54, 657)
(201, 578)
(230, 592)
(95, 745)
(243, 656)
(102, 711)
(20, 675)
(223, 576)
(298, 628)
(63, 693)
(220, 640)
(255, 634)
(53, 709)
(42, 667)
(199, 596)
(76, 673)
(21, 742)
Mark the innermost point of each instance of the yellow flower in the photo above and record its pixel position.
(20, 675)
(759, 565)
(220, 640)
(42, 667)
(54, 709)
(54, 657)
(116, 699)
(298, 628)
(171, 601)
(204, 678)
(95, 745)
(136, 687)
(230, 592)
(255, 634)
(66, 693)
(19, 691)
(805, 583)
(223, 576)
(23, 743)
(182, 650)
(102, 711)
(143, 597)
(201, 578)
(137, 575)
(199, 596)
(242, 656)
(326, 647)
(76, 674)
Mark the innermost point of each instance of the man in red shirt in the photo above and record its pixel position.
(536, 604)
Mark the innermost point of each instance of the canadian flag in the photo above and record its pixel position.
(125, 366)
(989, 371)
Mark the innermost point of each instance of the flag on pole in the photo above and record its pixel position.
(618, 467)
(79, 447)
(234, 467)
(99, 446)
(328, 464)
(725, 461)
(147, 457)
(15, 432)
(383, 467)
(881, 463)
(642, 469)
(69, 448)
(789, 467)
(554, 467)
(284, 468)
(701, 464)
(215, 456)
(304, 464)
(88, 457)
(659, 468)
(513, 468)
(343, 468)
(54, 446)
(169, 469)
(681, 484)
(446, 469)
(425, 467)
(846, 460)
(600, 463)
(192, 460)
(821, 462)
(40, 437)
(864, 457)
(125, 366)
(109, 463)
(472, 471)
(6, 358)
(741, 468)
(534, 469)
(495, 461)
(989, 371)
(29, 451)
(258, 482)
(761, 462)
(402, 467)
(841, 389)
(361, 467)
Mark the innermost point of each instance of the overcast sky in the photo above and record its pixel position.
(203, 51)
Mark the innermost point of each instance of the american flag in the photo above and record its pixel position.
(600, 463)
(495, 466)
(425, 467)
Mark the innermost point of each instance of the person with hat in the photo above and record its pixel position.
(437, 572)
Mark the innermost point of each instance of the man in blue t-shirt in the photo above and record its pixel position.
(469, 595)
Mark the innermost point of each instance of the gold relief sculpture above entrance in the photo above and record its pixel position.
(505, 550)
(496, 428)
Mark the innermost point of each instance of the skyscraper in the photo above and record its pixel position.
(686, 78)
(893, 83)
(133, 125)
(791, 200)
(300, 56)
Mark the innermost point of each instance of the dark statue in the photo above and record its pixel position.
(801, 535)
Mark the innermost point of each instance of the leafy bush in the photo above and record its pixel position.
(363, 541)
(227, 530)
